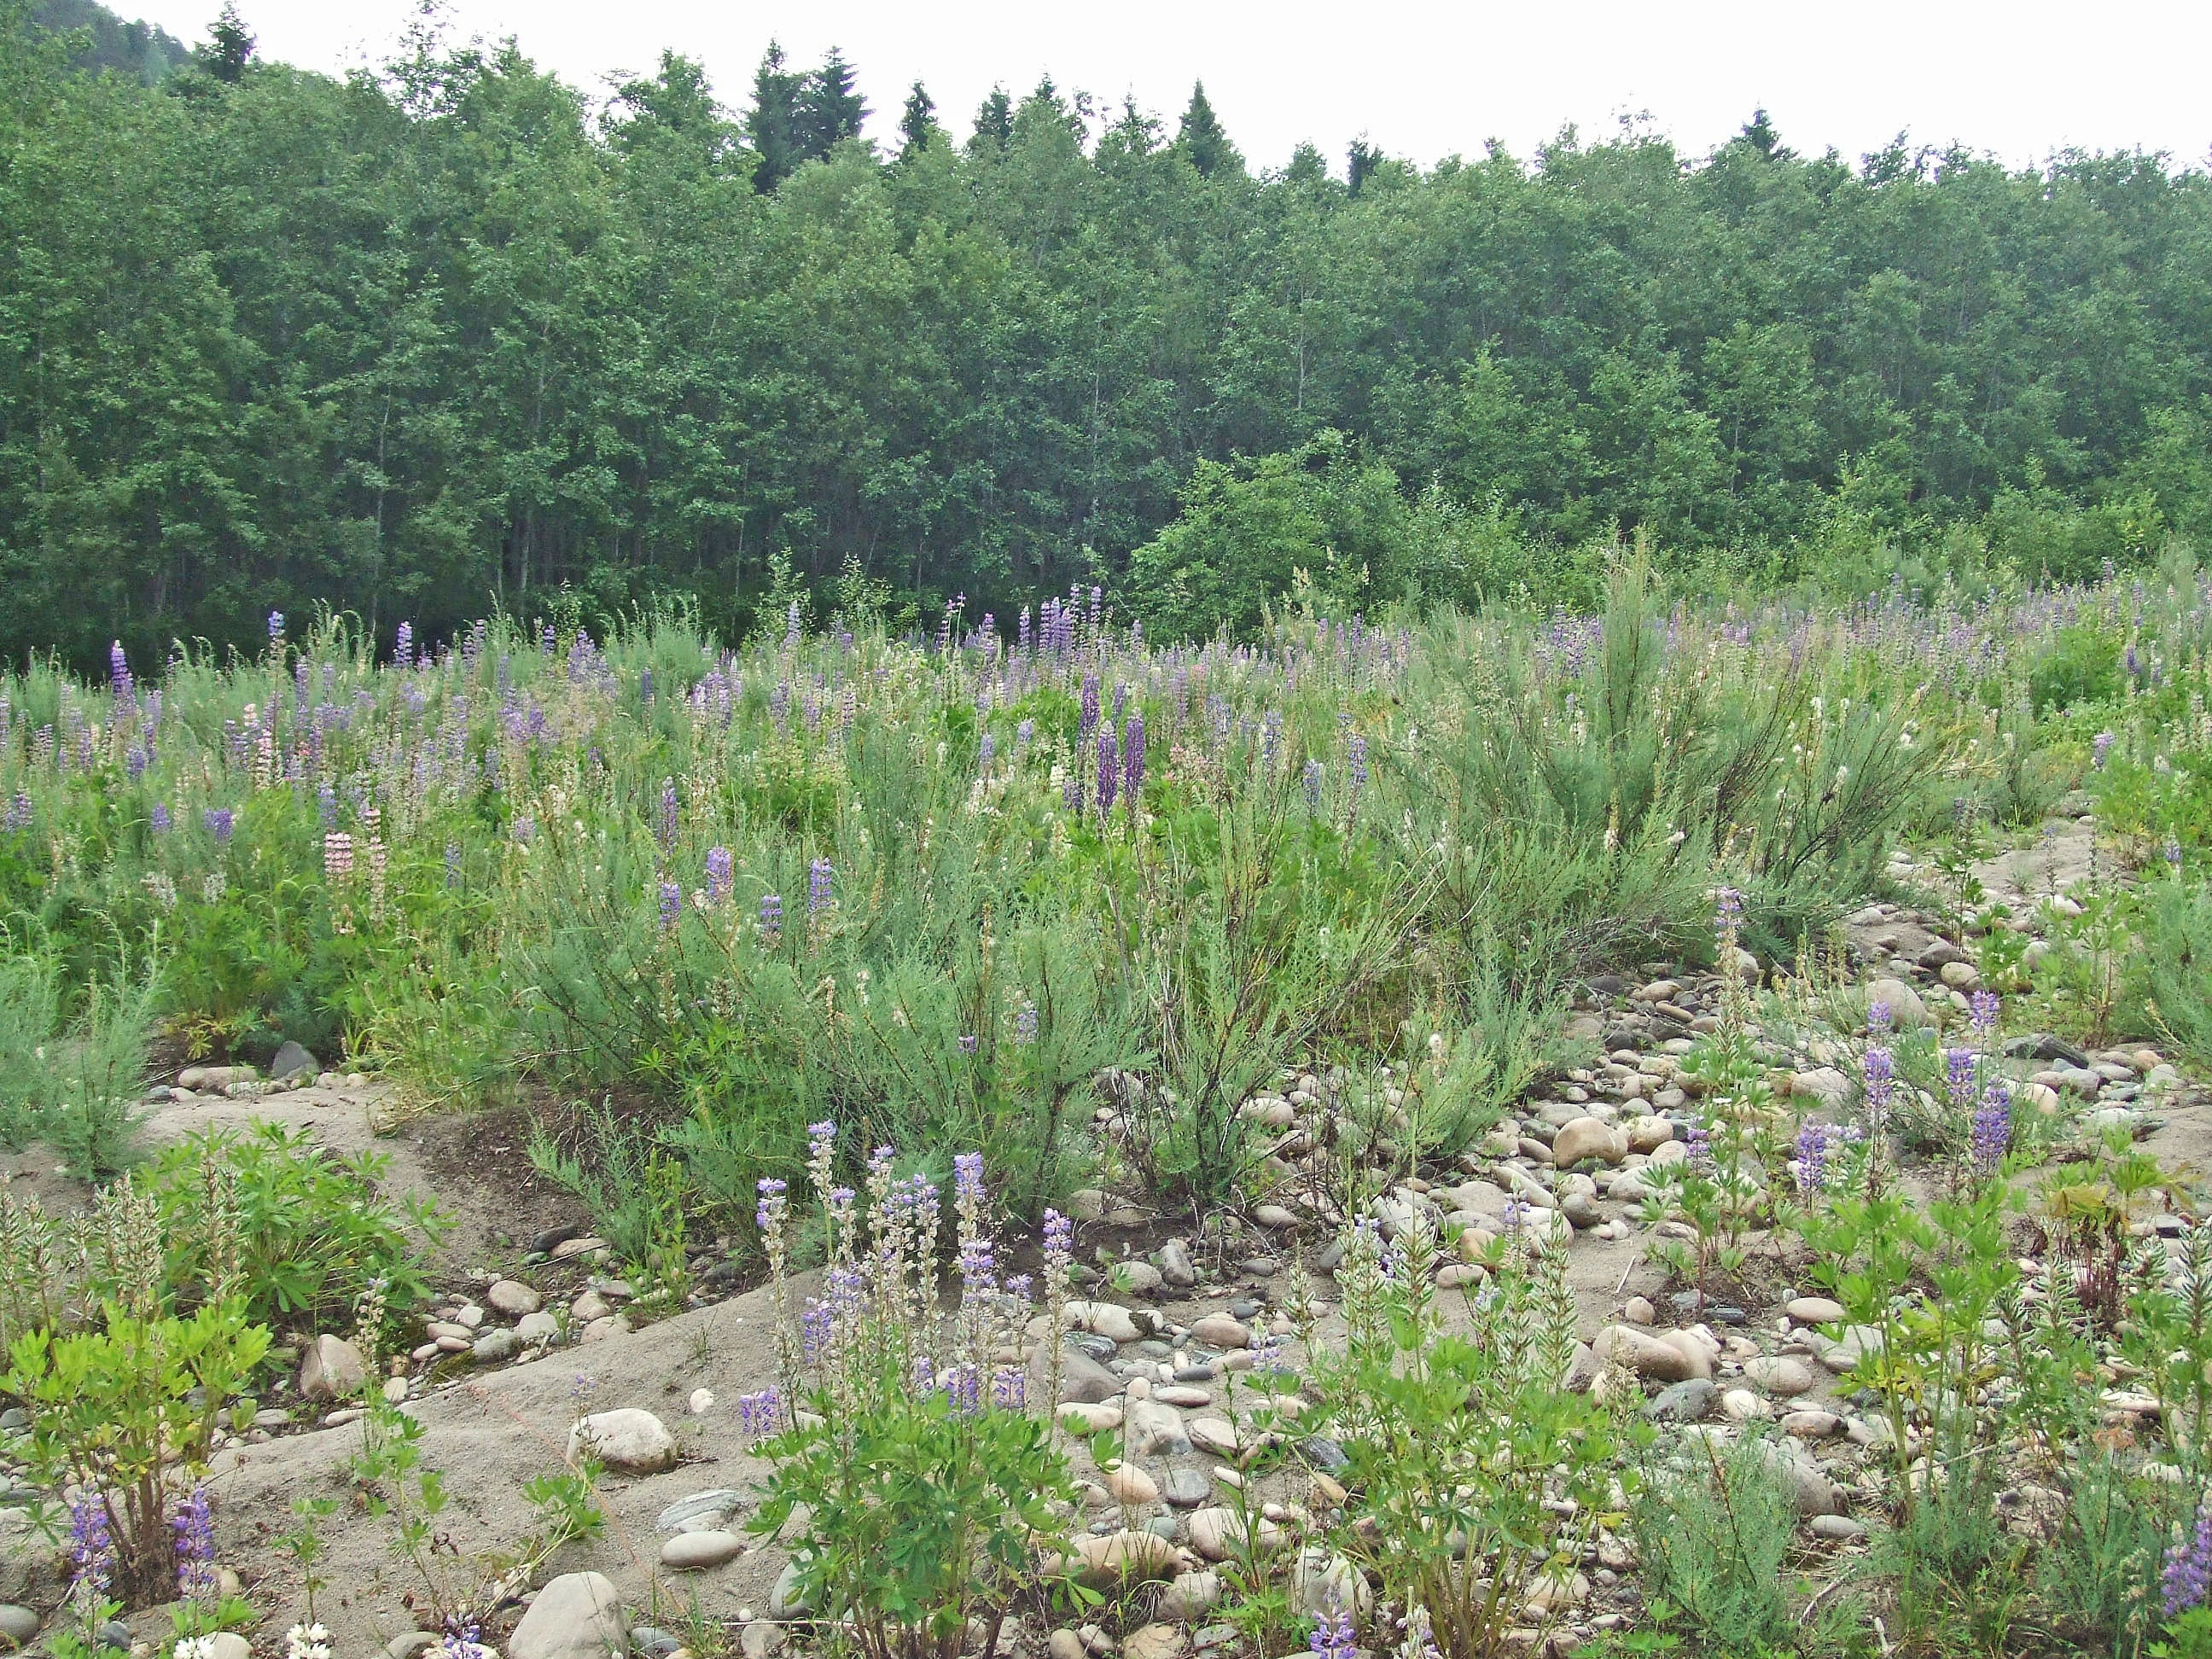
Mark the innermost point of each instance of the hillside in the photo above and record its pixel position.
(144, 50)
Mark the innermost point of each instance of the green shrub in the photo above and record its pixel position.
(314, 1230)
(1714, 1533)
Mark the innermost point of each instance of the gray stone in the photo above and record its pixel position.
(1682, 1402)
(292, 1061)
(576, 1616)
(647, 1639)
(514, 1298)
(1187, 1488)
(1175, 1265)
(1589, 1138)
(690, 1552)
(407, 1643)
(1083, 1380)
(1191, 1595)
(1778, 1373)
(18, 1624)
(702, 1511)
(784, 1601)
(1156, 1430)
(1907, 1012)
(628, 1440)
(495, 1347)
(1841, 1527)
(333, 1370)
(539, 1326)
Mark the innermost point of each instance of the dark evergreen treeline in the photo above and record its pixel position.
(449, 335)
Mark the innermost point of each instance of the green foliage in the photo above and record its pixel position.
(111, 1408)
(2168, 984)
(1713, 1533)
(918, 1516)
(724, 336)
(73, 1079)
(1461, 1443)
(314, 1230)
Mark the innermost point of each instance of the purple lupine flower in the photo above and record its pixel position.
(159, 818)
(722, 874)
(275, 626)
(1698, 1139)
(403, 646)
(1110, 771)
(2173, 853)
(326, 802)
(1959, 1066)
(1087, 721)
(968, 1043)
(1812, 1171)
(968, 1177)
(1881, 1080)
(1982, 1011)
(2100, 747)
(1021, 631)
(669, 814)
(194, 1526)
(1025, 1022)
(1332, 1635)
(771, 914)
(1992, 1137)
(460, 1643)
(671, 905)
(2188, 1577)
(119, 671)
(452, 865)
(1313, 786)
(821, 878)
(769, 1210)
(219, 821)
(1059, 1234)
(525, 829)
(1023, 734)
(1728, 912)
(1133, 757)
(760, 1413)
(1010, 1389)
(963, 1390)
(91, 1551)
(1356, 759)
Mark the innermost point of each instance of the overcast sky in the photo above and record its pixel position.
(2020, 78)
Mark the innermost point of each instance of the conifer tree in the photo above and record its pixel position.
(994, 121)
(917, 121)
(228, 48)
(829, 110)
(772, 123)
(1201, 139)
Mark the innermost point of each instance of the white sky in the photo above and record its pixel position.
(2020, 78)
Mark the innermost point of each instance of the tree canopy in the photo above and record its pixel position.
(446, 334)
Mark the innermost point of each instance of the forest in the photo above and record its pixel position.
(450, 335)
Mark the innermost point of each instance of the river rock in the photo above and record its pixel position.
(576, 1616)
(628, 1440)
(333, 1370)
(512, 1297)
(1778, 1373)
(1191, 1595)
(1105, 1319)
(1589, 1138)
(690, 1552)
(1643, 1354)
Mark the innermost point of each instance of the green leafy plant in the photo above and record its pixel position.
(929, 1493)
(1474, 1477)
